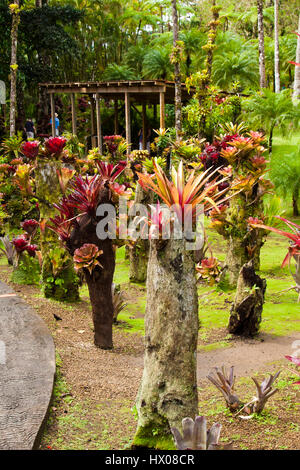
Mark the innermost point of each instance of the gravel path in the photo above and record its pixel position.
(248, 355)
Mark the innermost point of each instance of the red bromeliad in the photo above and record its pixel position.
(293, 249)
(109, 170)
(30, 149)
(31, 250)
(76, 227)
(30, 226)
(55, 145)
(20, 243)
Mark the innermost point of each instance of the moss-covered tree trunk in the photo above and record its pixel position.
(238, 254)
(59, 279)
(235, 258)
(139, 250)
(243, 244)
(246, 311)
(168, 391)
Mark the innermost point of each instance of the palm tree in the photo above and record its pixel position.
(139, 15)
(261, 43)
(276, 49)
(157, 64)
(287, 48)
(296, 93)
(268, 110)
(135, 56)
(234, 66)
(192, 39)
(119, 72)
(15, 12)
(285, 174)
(177, 74)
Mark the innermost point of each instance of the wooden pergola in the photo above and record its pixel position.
(133, 92)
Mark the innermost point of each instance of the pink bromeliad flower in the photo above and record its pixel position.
(294, 237)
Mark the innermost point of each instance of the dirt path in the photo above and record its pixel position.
(248, 355)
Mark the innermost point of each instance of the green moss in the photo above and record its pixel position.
(154, 437)
(28, 271)
(214, 346)
(60, 282)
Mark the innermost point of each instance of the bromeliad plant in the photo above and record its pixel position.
(118, 302)
(225, 383)
(209, 269)
(293, 253)
(171, 321)
(76, 224)
(196, 436)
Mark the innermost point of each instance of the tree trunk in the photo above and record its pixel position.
(261, 44)
(138, 256)
(59, 279)
(100, 288)
(296, 92)
(100, 281)
(168, 391)
(235, 258)
(13, 68)
(139, 251)
(238, 255)
(271, 139)
(177, 74)
(295, 202)
(246, 311)
(276, 49)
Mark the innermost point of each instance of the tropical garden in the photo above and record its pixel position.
(169, 277)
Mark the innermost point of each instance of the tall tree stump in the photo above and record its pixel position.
(246, 311)
(168, 390)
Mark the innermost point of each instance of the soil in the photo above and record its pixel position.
(103, 384)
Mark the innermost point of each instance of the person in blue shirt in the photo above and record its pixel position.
(56, 124)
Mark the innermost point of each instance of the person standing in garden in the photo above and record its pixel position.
(56, 124)
(29, 129)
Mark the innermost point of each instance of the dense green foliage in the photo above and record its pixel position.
(74, 40)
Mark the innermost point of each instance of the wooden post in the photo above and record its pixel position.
(162, 109)
(127, 120)
(52, 114)
(116, 118)
(93, 122)
(144, 124)
(98, 120)
(74, 117)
